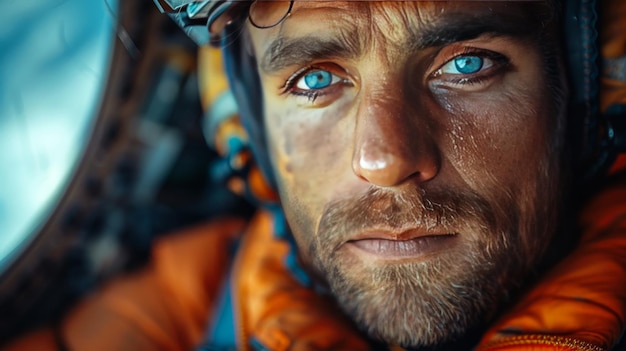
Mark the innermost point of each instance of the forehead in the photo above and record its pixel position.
(358, 12)
(355, 28)
(398, 20)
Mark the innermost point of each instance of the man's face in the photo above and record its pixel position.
(413, 145)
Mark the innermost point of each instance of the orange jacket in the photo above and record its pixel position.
(580, 305)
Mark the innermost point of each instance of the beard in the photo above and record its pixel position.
(430, 301)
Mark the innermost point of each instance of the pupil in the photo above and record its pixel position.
(468, 64)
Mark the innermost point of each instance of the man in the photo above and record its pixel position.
(393, 158)
(418, 149)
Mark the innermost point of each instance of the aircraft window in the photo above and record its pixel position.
(53, 63)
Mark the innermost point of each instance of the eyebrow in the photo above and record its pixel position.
(460, 27)
(284, 52)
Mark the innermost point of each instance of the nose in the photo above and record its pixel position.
(393, 143)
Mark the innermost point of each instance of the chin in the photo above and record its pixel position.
(424, 303)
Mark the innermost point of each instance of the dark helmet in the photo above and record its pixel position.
(602, 135)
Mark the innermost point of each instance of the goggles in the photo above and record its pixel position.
(202, 19)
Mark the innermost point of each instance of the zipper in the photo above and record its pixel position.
(552, 341)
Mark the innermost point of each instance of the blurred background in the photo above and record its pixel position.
(101, 149)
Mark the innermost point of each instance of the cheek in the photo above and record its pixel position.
(498, 140)
(304, 146)
(310, 153)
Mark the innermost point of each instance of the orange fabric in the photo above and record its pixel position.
(542, 342)
(259, 187)
(163, 307)
(275, 309)
(584, 297)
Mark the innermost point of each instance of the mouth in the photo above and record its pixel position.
(408, 245)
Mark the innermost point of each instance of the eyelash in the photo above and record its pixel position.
(500, 62)
(290, 84)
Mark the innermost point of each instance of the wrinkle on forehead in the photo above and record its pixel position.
(370, 22)
(346, 17)
(394, 26)
(409, 25)
(359, 26)
(392, 31)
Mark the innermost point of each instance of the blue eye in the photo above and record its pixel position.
(317, 79)
(466, 64)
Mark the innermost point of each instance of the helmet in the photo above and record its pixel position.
(602, 135)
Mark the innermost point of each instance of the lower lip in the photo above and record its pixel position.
(403, 249)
